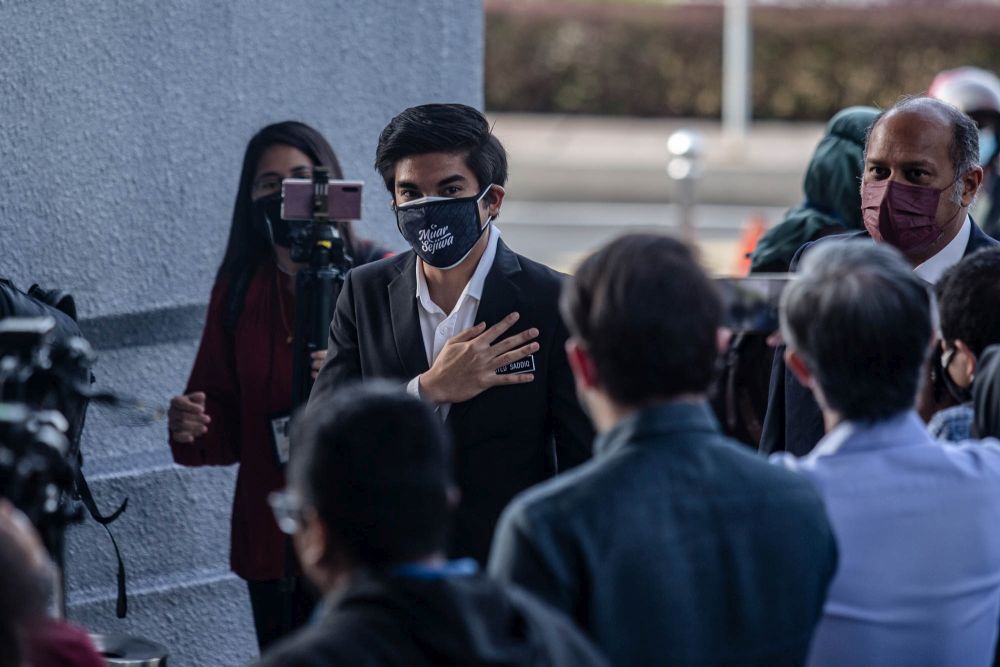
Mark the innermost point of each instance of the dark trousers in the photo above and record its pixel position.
(268, 604)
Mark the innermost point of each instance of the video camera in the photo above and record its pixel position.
(313, 205)
(43, 400)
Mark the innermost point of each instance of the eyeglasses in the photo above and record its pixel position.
(270, 183)
(287, 509)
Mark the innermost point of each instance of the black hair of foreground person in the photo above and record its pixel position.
(674, 544)
(442, 128)
(372, 473)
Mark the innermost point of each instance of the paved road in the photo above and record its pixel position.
(560, 234)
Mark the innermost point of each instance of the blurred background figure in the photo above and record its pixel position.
(977, 92)
(968, 297)
(832, 188)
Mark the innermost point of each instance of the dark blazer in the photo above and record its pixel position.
(793, 421)
(675, 546)
(430, 621)
(507, 438)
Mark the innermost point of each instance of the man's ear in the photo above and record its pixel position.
(311, 540)
(971, 181)
(582, 364)
(968, 359)
(799, 368)
(494, 200)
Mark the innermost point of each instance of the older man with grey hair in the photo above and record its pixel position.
(918, 582)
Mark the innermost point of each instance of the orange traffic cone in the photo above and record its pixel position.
(753, 229)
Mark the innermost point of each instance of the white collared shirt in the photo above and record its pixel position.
(932, 269)
(436, 326)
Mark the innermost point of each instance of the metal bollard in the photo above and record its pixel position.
(128, 651)
(685, 167)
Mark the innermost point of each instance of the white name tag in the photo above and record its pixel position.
(526, 365)
(280, 437)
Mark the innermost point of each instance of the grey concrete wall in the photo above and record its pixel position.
(122, 128)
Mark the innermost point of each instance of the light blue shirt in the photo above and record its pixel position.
(917, 524)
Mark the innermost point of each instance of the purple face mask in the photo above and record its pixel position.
(901, 215)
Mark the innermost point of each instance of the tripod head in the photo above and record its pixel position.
(319, 244)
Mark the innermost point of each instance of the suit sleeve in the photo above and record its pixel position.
(214, 373)
(772, 435)
(571, 428)
(530, 557)
(343, 360)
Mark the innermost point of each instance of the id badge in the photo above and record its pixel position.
(280, 441)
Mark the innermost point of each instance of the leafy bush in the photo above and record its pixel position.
(643, 60)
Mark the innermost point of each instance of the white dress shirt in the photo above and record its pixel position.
(436, 326)
(932, 269)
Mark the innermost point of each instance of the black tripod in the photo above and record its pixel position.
(317, 285)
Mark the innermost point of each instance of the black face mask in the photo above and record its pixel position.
(266, 215)
(441, 230)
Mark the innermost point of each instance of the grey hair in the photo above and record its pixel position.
(964, 147)
(861, 320)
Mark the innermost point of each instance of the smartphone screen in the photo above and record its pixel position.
(344, 199)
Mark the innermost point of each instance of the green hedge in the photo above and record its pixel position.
(642, 60)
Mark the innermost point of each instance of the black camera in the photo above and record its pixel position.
(42, 406)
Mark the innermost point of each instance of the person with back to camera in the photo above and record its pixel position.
(368, 505)
(241, 382)
(918, 582)
(674, 545)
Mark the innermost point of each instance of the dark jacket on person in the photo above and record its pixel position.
(675, 546)
(455, 620)
(507, 438)
(794, 422)
(986, 394)
(832, 193)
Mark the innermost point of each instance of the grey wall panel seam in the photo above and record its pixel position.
(148, 327)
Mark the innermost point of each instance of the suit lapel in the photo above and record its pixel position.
(978, 239)
(405, 319)
(500, 298)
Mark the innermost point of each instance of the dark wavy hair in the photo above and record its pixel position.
(442, 128)
(246, 247)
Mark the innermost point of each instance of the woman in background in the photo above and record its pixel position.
(240, 388)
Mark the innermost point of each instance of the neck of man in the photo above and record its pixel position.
(334, 580)
(446, 285)
(606, 413)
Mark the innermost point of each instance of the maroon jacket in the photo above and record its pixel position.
(246, 375)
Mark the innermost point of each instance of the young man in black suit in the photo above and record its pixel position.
(461, 320)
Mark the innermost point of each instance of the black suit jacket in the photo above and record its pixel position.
(793, 421)
(506, 438)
